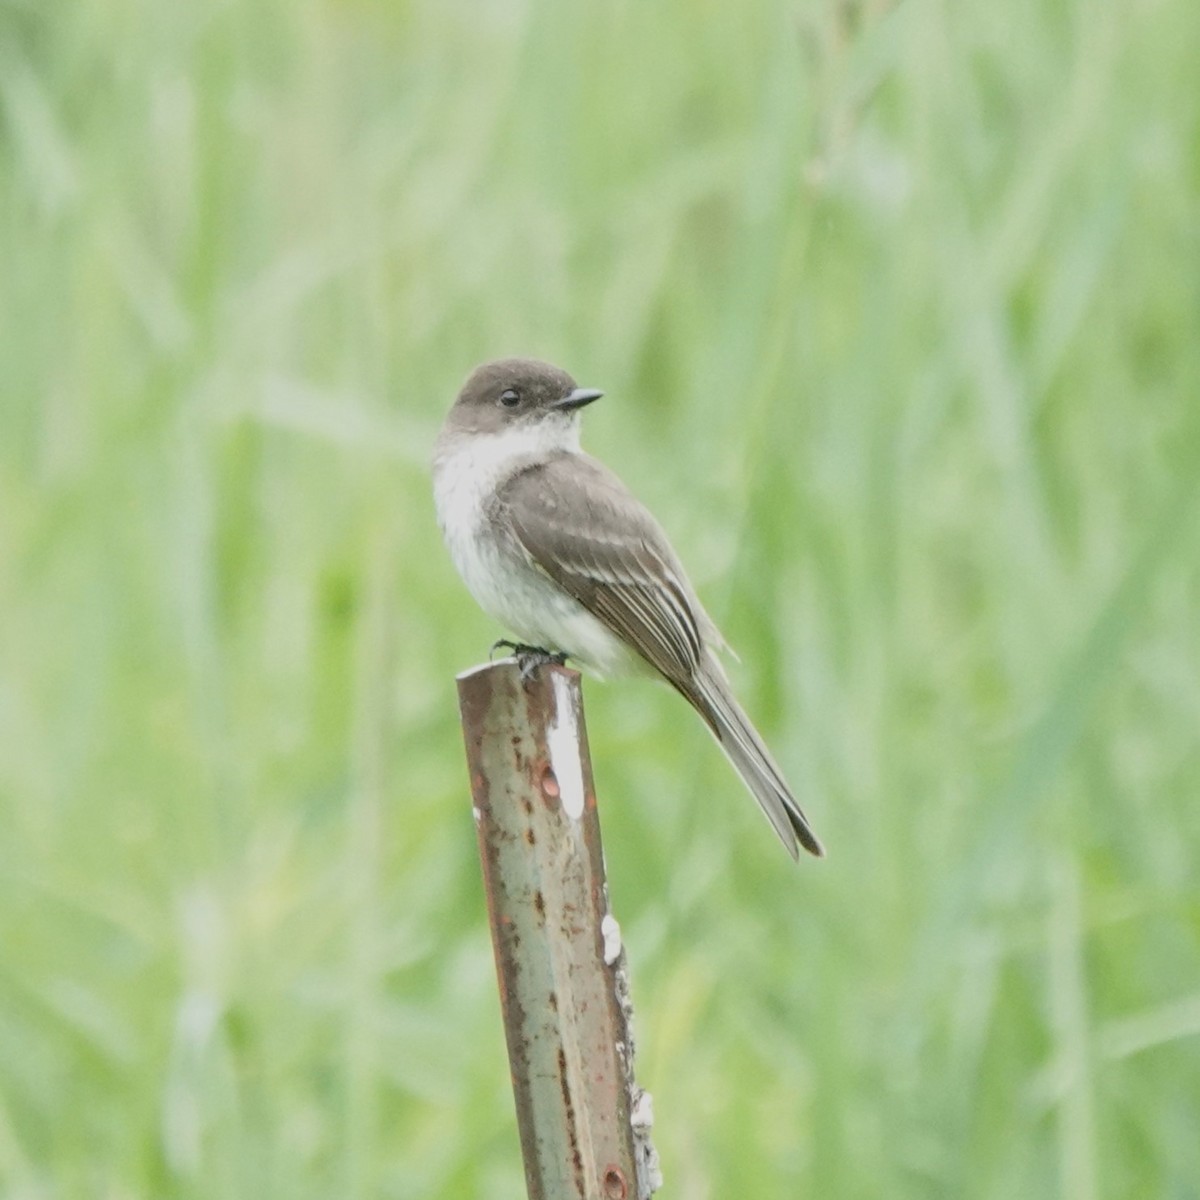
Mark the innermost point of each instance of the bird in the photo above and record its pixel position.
(556, 549)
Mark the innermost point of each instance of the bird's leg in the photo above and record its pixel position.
(529, 658)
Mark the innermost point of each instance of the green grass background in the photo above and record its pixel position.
(898, 311)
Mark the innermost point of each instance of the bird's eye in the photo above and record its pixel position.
(510, 398)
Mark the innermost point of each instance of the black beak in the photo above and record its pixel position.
(577, 399)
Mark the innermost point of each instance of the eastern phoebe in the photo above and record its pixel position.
(554, 547)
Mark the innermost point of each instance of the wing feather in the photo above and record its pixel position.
(579, 524)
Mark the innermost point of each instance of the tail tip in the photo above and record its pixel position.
(808, 839)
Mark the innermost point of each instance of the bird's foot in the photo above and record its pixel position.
(529, 658)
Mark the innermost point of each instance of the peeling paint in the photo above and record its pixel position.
(610, 931)
(563, 741)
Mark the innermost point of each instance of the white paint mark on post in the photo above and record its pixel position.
(611, 932)
(641, 1120)
(563, 742)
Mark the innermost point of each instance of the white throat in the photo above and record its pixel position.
(468, 467)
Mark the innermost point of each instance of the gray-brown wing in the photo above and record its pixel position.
(581, 526)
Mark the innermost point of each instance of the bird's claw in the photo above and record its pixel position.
(529, 658)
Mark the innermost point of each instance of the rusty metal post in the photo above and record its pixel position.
(564, 988)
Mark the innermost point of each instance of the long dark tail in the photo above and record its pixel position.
(712, 698)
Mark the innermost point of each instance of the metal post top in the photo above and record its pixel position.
(509, 666)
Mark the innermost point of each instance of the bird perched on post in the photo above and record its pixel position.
(554, 547)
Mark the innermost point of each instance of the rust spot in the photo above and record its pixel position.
(539, 902)
(615, 1187)
(493, 850)
(569, 1117)
(530, 836)
(554, 1002)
